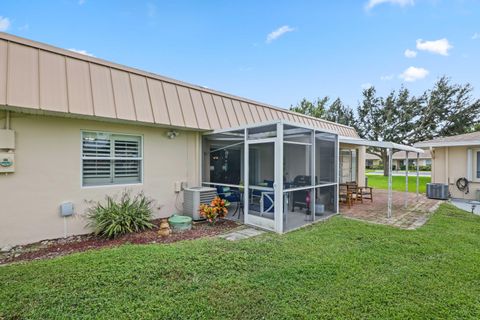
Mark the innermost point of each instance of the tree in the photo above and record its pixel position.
(336, 111)
(386, 119)
(447, 109)
(316, 109)
(339, 113)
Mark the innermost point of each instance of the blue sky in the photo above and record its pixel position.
(273, 51)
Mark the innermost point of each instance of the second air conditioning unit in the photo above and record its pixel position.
(437, 191)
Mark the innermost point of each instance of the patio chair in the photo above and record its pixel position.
(265, 205)
(267, 202)
(258, 193)
(344, 195)
(355, 191)
(366, 192)
(232, 196)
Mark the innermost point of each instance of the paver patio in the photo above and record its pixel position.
(411, 217)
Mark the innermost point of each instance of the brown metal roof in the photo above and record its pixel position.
(39, 77)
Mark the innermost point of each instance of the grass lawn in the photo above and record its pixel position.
(338, 269)
(398, 182)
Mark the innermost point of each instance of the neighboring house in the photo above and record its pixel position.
(453, 158)
(78, 128)
(399, 159)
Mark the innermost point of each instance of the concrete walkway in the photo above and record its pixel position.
(466, 205)
(241, 234)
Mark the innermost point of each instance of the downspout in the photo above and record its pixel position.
(7, 119)
(447, 178)
(432, 154)
(469, 164)
(198, 158)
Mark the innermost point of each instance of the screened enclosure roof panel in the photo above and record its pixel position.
(378, 144)
(40, 78)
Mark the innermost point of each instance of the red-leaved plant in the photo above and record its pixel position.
(217, 209)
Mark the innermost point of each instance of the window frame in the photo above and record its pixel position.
(475, 163)
(122, 184)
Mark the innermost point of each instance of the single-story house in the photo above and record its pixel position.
(453, 158)
(76, 128)
(399, 159)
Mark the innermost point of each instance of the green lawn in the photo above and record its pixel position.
(398, 182)
(338, 269)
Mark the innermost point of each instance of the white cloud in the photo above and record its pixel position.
(412, 74)
(387, 77)
(80, 2)
(278, 33)
(410, 53)
(4, 23)
(84, 52)
(440, 46)
(366, 85)
(476, 36)
(402, 3)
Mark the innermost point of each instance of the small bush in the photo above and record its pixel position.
(114, 218)
(218, 208)
(414, 168)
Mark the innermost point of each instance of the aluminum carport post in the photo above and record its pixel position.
(418, 172)
(406, 180)
(389, 209)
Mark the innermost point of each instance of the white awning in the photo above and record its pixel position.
(378, 144)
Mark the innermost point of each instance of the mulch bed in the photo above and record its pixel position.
(60, 247)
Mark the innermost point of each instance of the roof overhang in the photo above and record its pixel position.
(447, 144)
(378, 144)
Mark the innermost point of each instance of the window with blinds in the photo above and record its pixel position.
(111, 159)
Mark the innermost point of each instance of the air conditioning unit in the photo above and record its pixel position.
(437, 191)
(193, 197)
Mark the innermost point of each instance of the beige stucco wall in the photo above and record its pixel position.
(48, 172)
(450, 164)
(360, 161)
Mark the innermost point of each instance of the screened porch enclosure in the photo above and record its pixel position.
(278, 175)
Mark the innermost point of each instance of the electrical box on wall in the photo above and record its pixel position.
(7, 139)
(7, 162)
(66, 209)
(177, 186)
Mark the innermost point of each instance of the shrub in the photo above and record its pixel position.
(114, 218)
(215, 210)
(414, 168)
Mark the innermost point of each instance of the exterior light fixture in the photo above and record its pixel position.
(172, 134)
